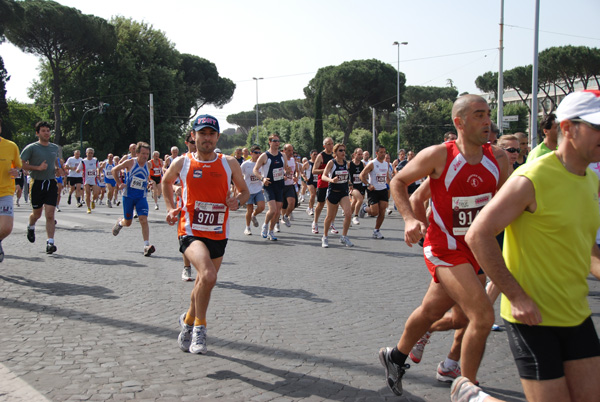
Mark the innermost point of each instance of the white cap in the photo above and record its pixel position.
(218, 150)
(583, 104)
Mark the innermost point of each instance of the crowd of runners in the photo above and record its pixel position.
(456, 199)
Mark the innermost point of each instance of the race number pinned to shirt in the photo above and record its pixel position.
(208, 216)
(464, 211)
(278, 174)
(138, 183)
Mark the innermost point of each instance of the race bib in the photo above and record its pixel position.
(157, 171)
(91, 173)
(381, 178)
(138, 183)
(464, 211)
(208, 217)
(343, 176)
(356, 178)
(278, 174)
(108, 174)
(253, 178)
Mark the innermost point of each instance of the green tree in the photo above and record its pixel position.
(415, 96)
(4, 77)
(351, 88)
(426, 125)
(64, 37)
(488, 82)
(247, 120)
(21, 123)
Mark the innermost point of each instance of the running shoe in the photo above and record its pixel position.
(324, 242)
(271, 236)
(148, 250)
(117, 228)
(390, 210)
(93, 204)
(463, 390)
(89, 211)
(254, 221)
(79, 204)
(1, 252)
(315, 228)
(291, 216)
(184, 340)
(135, 216)
(18, 205)
(355, 221)
(334, 230)
(496, 328)
(118, 203)
(69, 200)
(377, 234)
(277, 228)
(393, 371)
(247, 231)
(416, 354)
(50, 248)
(58, 209)
(186, 274)
(363, 211)
(308, 210)
(156, 207)
(286, 220)
(264, 231)
(30, 234)
(109, 204)
(447, 375)
(198, 343)
(346, 241)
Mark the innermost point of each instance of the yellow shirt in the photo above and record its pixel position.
(549, 251)
(9, 158)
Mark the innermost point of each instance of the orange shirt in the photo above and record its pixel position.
(205, 188)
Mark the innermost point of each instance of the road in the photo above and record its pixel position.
(288, 320)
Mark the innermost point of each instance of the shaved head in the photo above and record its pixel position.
(461, 105)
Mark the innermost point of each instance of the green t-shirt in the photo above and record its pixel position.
(35, 154)
(549, 251)
(538, 151)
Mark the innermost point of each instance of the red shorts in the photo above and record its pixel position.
(448, 258)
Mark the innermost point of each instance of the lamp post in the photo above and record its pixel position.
(398, 93)
(102, 108)
(256, 79)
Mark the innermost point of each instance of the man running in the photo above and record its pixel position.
(203, 221)
(290, 196)
(89, 169)
(106, 166)
(135, 191)
(255, 188)
(463, 175)
(74, 178)
(156, 172)
(40, 158)
(319, 166)
(376, 176)
(10, 164)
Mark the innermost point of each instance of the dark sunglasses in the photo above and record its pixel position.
(512, 150)
(341, 150)
(256, 152)
(587, 123)
(191, 141)
(274, 140)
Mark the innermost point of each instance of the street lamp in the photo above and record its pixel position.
(398, 93)
(101, 108)
(256, 79)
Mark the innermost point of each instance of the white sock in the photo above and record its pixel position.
(146, 243)
(51, 241)
(449, 363)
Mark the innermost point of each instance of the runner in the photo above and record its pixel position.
(307, 168)
(319, 166)
(74, 178)
(156, 172)
(336, 175)
(203, 221)
(39, 158)
(10, 164)
(134, 193)
(20, 184)
(89, 169)
(463, 177)
(255, 188)
(357, 187)
(106, 167)
(274, 163)
(376, 176)
(290, 196)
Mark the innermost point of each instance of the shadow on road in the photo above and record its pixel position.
(261, 291)
(61, 288)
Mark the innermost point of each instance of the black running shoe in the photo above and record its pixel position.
(31, 235)
(1, 252)
(50, 248)
(69, 200)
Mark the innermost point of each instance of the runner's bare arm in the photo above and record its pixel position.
(316, 170)
(167, 181)
(115, 171)
(515, 198)
(325, 175)
(502, 162)
(595, 268)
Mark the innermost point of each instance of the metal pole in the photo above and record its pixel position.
(152, 124)
(500, 117)
(398, 94)
(257, 125)
(373, 152)
(534, 81)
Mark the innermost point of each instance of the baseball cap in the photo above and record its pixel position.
(218, 150)
(206, 120)
(583, 104)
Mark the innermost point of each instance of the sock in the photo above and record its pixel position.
(51, 241)
(78, 199)
(146, 243)
(248, 227)
(481, 396)
(449, 363)
(32, 227)
(198, 322)
(398, 357)
(189, 320)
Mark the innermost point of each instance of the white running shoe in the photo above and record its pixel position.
(185, 336)
(346, 241)
(315, 228)
(254, 221)
(156, 207)
(390, 210)
(324, 242)
(334, 230)
(264, 231)
(186, 274)
(377, 234)
(277, 227)
(198, 343)
(363, 211)
(286, 220)
(247, 231)
(355, 221)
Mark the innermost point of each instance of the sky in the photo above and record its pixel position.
(286, 42)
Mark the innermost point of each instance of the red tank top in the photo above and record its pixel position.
(156, 168)
(205, 188)
(458, 195)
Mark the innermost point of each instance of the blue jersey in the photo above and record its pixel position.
(137, 181)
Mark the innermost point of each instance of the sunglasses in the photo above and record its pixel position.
(512, 150)
(256, 152)
(274, 140)
(587, 123)
(191, 141)
(341, 150)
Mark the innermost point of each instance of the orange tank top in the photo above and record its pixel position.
(205, 188)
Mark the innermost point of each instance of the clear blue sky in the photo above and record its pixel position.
(286, 42)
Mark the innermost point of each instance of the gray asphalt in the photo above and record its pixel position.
(288, 320)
